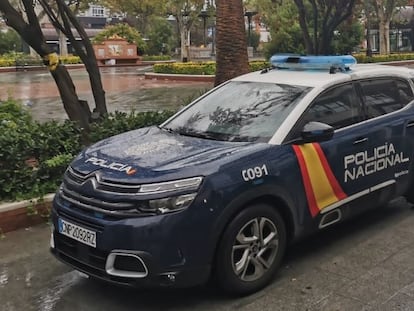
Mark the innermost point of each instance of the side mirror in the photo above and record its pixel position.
(316, 132)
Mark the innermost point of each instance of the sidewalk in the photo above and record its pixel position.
(366, 264)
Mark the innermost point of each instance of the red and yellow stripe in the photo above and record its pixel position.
(321, 187)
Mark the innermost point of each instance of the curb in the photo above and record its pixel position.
(22, 214)
(179, 77)
(78, 66)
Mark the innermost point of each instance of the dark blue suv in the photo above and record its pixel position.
(222, 187)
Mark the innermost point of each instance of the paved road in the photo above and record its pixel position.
(364, 264)
(125, 87)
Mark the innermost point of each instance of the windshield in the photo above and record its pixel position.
(239, 111)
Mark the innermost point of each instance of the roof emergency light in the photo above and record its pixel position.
(286, 61)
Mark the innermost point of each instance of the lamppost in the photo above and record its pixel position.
(204, 15)
(249, 15)
(185, 38)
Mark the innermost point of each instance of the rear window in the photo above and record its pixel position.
(382, 96)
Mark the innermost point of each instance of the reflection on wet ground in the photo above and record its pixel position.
(125, 87)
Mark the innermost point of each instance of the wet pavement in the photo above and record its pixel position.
(125, 87)
(364, 264)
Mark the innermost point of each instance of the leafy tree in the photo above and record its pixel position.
(26, 24)
(10, 41)
(232, 59)
(319, 19)
(137, 13)
(384, 10)
(161, 37)
(283, 24)
(122, 30)
(185, 13)
(348, 36)
(254, 39)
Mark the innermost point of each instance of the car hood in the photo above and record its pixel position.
(155, 154)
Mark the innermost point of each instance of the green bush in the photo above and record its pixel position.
(124, 31)
(25, 148)
(201, 68)
(377, 58)
(192, 68)
(258, 65)
(209, 68)
(70, 59)
(156, 57)
(34, 156)
(13, 59)
(119, 122)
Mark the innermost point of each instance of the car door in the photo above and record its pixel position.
(389, 126)
(326, 167)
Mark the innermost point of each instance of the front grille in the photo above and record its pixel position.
(105, 185)
(120, 203)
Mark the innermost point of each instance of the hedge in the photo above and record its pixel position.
(34, 156)
(156, 57)
(377, 58)
(200, 68)
(13, 59)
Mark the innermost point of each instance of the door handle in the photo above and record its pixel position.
(410, 124)
(360, 140)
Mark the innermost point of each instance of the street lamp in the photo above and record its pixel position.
(204, 15)
(249, 15)
(185, 39)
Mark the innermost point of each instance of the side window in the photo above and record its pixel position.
(338, 107)
(382, 96)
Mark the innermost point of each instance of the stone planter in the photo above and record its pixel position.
(17, 215)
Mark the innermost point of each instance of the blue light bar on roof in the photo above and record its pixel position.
(287, 61)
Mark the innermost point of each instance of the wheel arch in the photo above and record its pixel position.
(266, 195)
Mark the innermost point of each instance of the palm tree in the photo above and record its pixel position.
(231, 43)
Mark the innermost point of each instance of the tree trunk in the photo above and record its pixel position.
(385, 10)
(86, 53)
(32, 34)
(331, 13)
(384, 37)
(63, 46)
(231, 43)
(304, 26)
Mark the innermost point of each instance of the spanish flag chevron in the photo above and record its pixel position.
(321, 187)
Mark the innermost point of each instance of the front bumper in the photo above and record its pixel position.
(138, 252)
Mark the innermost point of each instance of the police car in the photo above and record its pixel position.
(222, 187)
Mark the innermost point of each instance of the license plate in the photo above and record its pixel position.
(77, 233)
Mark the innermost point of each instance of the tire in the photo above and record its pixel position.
(251, 250)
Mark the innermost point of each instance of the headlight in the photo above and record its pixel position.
(170, 204)
(182, 184)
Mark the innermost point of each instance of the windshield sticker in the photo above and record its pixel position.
(321, 187)
(254, 172)
(365, 163)
(115, 166)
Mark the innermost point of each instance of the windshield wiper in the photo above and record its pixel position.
(205, 135)
(168, 129)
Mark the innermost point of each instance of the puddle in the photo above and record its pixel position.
(149, 99)
(51, 296)
(125, 87)
(28, 279)
(4, 278)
